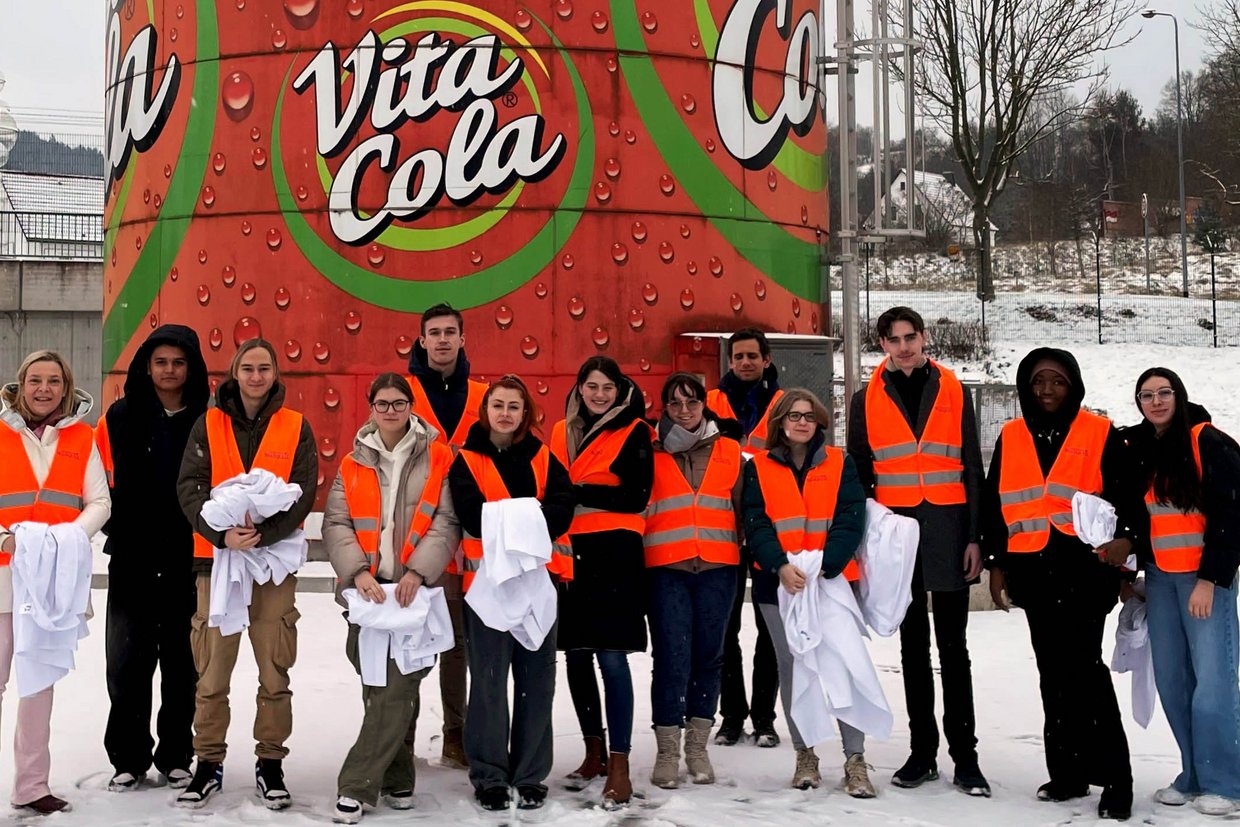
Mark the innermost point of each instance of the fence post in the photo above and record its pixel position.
(1213, 298)
(1098, 277)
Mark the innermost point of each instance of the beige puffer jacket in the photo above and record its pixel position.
(433, 552)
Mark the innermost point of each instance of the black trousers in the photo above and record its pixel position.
(951, 618)
(734, 704)
(148, 625)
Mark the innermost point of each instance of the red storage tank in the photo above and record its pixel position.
(577, 176)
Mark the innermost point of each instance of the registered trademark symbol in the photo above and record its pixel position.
(510, 100)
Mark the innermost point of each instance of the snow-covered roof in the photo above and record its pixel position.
(936, 192)
(48, 206)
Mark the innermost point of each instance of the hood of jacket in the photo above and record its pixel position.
(1029, 408)
(419, 366)
(366, 454)
(83, 403)
(479, 441)
(580, 425)
(228, 400)
(140, 390)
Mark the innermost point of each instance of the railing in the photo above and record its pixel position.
(48, 235)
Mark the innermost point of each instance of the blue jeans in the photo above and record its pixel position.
(617, 689)
(688, 617)
(1195, 665)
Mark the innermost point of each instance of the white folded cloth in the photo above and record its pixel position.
(410, 635)
(1094, 521)
(261, 494)
(1132, 654)
(51, 569)
(833, 676)
(512, 589)
(886, 558)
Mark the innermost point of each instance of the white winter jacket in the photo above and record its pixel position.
(98, 502)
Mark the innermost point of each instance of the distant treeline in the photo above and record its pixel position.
(35, 153)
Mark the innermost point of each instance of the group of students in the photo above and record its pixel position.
(656, 530)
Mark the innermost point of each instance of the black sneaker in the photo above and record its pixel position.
(730, 732)
(531, 797)
(1061, 791)
(969, 780)
(269, 779)
(207, 781)
(493, 798)
(1116, 803)
(915, 772)
(124, 782)
(764, 734)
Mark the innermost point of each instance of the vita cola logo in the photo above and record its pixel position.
(135, 114)
(399, 82)
(750, 140)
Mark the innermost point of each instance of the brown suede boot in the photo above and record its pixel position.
(619, 789)
(594, 765)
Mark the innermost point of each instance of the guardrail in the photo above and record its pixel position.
(51, 235)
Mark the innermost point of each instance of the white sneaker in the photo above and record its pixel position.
(402, 800)
(124, 782)
(348, 811)
(1216, 805)
(1172, 797)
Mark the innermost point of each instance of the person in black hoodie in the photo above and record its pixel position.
(1063, 585)
(151, 593)
(607, 447)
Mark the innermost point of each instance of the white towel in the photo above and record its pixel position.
(886, 558)
(410, 635)
(832, 674)
(512, 589)
(1094, 521)
(51, 569)
(260, 494)
(1132, 654)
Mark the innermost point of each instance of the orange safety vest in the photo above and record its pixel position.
(1031, 503)
(718, 402)
(681, 523)
(473, 401)
(1177, 537)
(493, 489)
(907, 471)
(593, 467)
(361, 492)
(60, 498)
(104, 443)
(275, 454)
(802, 517)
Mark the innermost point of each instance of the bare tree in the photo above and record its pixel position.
(1219, 84)
(985, 66)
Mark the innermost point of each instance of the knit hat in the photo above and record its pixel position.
(1053, 366)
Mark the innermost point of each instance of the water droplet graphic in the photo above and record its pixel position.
(602, 192)
(302, 13)
(611, 168)
(691, 268)
(738, 304)
(598, 21)
(813, 322)
(204, 295)
(167, 170)
(154, 321)
(688, 103)
(710, 145)
(246, 227)
(404, 345)
(684, 231)
(796, 307)
(695, 41)
(619, 253)
(146, 196)
(218, 163)
(173, 35)
(202, 256)
(331, 399)
(650, 293)
(208, 196)
(567, 261)
(278, 40)
(228, 275)
(649, 22)
(248, 293)
(475, 257)
(715, 265)
(576, 307)
(503, 317)
(667, 184)
(327, 447)
(630, 137)
(180, 12)
(523, 20)
(321, 352)
(613, 129)
(759, 289)
(772, 180)
(274, 239)
(375, 255)
(613, 64)
(639, 232)
(256, 134)
(259, 157)
(637, 318)
(353, 321)
(237, 93)
(302, 193)
(355, 8)
(600, 337)
(686, 299)
(529, 347)
(137, 242)
(542, 387)
(174, 274)
(792, 327)
(666, 252)
(643, 364)
(540, 290)
(283, 298)
(804, 214)
(215, 338)
(159, 202)
(246, 328)
(564, 9)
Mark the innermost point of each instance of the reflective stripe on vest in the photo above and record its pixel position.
(593, 467)
(1177, 537)
(275, 453)
(908, 472)
(59, 499)
(365, 500)
(1030, 503)
(802, 517)
(682, 524)
(718, 402)
(104, 443)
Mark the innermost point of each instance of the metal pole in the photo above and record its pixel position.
(1179, 142)
(868, 248)
(1146, 219)
(1213, 298)
(845, 37)
(1098, 274)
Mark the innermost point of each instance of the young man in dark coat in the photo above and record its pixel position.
(151, 594)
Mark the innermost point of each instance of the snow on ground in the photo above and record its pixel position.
(752, 786)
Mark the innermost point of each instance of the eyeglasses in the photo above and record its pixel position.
(687, 404)
(1162, 395)
(383, 406)
(800, 416)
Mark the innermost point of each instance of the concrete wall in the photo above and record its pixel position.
(55, 306)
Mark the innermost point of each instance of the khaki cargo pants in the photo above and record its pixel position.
(273, 636)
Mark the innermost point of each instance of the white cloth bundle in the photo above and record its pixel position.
(51, 569)
(1094, 521)
(1132, 654)
(512, 589)
(261, 494)
(886, 557)
(832, 674)
(410, 635)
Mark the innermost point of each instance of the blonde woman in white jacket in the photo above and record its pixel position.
(50, 472)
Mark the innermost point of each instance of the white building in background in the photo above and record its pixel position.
(46, 216)
(940, 205)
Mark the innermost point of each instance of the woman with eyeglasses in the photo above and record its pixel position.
(1067, 589)
(1190, 471)
(388, 520)
(692, 553)
(803, 495)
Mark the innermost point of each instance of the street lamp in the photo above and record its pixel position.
(1149, 14)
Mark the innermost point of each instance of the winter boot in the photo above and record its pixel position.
(269, 780)
(594, 765)
(124, 782)
(666, 772)
(697, 736)
(857, 778)
(619, 789)
(806, 776)
(731, 731)
(915, 772)
(347, 811)
(764, 734)
(207, 781)
(453, 755)
(177, 778)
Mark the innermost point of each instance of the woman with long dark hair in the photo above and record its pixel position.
(1192, 491)
(605, 443)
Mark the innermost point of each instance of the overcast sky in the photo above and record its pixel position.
(51, 51)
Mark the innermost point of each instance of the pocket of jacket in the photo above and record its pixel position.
(286, 646)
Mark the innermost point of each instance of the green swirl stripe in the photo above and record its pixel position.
(785, 258)
(142, 286)
(463, 291)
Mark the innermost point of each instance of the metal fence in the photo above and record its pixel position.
(48, 235)
(53, 153)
